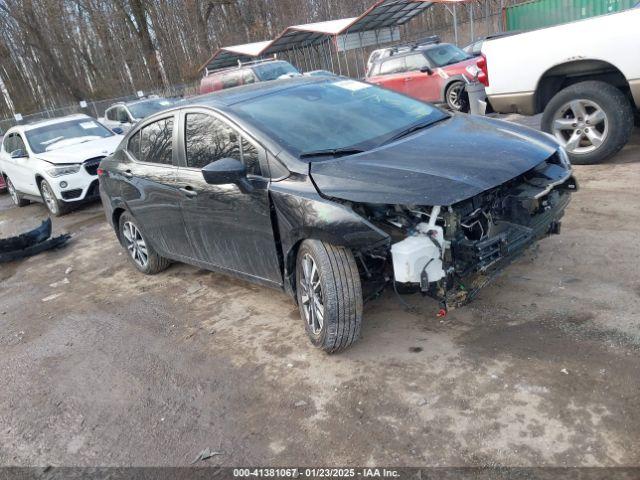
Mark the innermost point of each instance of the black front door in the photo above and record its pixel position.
(150, 189)
(228, 229)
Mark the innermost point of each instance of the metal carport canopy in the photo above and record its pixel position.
(382, 14)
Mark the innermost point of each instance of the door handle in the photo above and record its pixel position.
(128, 174)
(188, 191)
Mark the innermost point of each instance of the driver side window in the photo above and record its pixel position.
(208, 139)
(18, 144)
(123, 116)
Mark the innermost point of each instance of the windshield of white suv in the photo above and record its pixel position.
(274, 70)
(445, 54)
(335, 115)
(143, 109)
(63, 134)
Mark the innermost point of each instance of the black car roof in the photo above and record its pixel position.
(230, 96)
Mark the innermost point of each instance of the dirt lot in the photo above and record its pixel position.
(115, 368)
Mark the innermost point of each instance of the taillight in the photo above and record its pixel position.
(483, 76)
(101, 172)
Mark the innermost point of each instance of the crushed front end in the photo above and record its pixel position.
(450, 252)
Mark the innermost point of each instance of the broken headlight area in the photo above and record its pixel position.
(450, 252)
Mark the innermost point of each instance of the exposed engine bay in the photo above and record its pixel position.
(450, 252)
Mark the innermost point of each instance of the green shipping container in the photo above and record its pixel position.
(545, 13)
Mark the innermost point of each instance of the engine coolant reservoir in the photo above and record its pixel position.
(417, 253)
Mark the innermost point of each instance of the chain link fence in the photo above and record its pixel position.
(97, 108)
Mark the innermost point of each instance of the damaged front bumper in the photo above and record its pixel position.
(451, 252)
(30, 243)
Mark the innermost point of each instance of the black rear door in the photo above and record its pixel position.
(228, 229)
(150, 190)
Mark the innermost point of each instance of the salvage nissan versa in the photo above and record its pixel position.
(330, 189)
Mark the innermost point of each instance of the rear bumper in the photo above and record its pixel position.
(522, 103)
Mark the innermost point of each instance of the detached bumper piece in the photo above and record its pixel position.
(30, 243)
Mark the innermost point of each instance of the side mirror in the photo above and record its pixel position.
(427, 70)
(118, 130)
(19, 153)
(226, 171)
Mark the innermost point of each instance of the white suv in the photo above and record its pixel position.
(55, 161)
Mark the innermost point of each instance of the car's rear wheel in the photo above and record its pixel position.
(455, 96)
(593, 120)
(329, 295)
(56, 207)
(16, 197)
(139, 252)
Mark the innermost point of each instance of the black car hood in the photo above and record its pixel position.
(448, 162)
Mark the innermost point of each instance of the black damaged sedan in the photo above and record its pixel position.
(332, 189)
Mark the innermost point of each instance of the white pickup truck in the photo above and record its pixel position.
(584, 77)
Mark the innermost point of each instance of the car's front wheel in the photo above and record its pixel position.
(329, 295)
(16, 197)
(56, 207)
(140, 253)
(593, 120)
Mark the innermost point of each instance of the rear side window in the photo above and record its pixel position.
(416, 62)
(111, 114)
(208, 139)
(153, 144)
(394, 65)
(248, 77)
(231, 79)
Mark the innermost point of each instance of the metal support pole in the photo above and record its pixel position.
(471, 22)
(346, 61)
(500, 19)
(455, 24)
(488, 24)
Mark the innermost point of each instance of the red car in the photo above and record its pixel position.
(434, 73)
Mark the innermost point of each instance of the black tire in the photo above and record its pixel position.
(155, 263)
(56, 207)
(615, 105)
(16, 196)
(341, 294)
(461, 105)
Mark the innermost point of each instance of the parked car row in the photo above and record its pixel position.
(331, 188)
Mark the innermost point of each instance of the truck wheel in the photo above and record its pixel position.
(18, 201)
(329, 295)
(55, 206)
(140, 253)
(454, 96)
(592, 119)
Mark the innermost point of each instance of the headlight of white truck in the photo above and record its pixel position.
(63, 170)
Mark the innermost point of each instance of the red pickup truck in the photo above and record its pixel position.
(433, 73)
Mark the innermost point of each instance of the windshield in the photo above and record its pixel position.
(445, 54)
(335, 115)
(63, 134)
(140, 110)
(273, 71)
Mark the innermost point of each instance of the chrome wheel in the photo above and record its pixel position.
(48, 197)
(453, 96)
(135, 244)
(12, 192)
(311, 294)
(581, 126)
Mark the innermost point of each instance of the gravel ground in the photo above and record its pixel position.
(100, 365)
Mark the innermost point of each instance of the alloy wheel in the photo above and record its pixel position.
(581, 126)
(12, 192)
(311, 294)
(453, 96)
(48, 198)
(135, 244)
